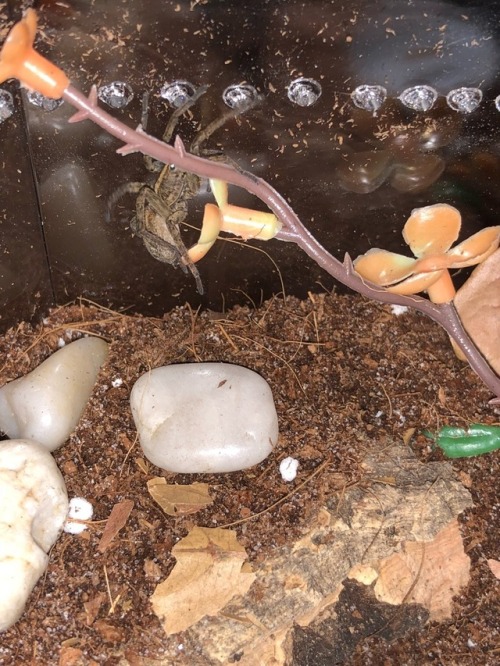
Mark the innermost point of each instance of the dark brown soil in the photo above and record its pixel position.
(345, 374)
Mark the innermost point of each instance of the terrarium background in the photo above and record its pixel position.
(57, 177)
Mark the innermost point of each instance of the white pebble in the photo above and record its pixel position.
(46, 404)
(288, 468)
(33, 508)
(81, 509)
(204, 417)
(115, 383)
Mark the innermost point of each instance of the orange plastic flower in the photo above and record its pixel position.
(244, 222)
(430, 232)
(18, 60)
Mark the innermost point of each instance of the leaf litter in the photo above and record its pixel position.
(345, 373)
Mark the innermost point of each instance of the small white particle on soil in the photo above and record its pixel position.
(80, 509)
(399, 309)
(288, 469)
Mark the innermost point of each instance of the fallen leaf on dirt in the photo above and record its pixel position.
(434, 572)
(70, 656)
(494, 566)
(117, 519)
(109, 632)
(178, 500)
(210, 571)
(93, 606)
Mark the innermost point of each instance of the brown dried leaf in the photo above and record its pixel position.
(93, 606)
(109, 632)
(178, 500)
(210, 571)
(433, 571)
(117, 519)
(494, 566)
(70, 656)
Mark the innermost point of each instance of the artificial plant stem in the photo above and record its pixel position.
(293, 230)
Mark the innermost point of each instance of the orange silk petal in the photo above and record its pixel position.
(383, 267)
(475, 249)
(416, 283)
(432, 229)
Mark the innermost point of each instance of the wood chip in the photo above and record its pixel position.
(117, 519)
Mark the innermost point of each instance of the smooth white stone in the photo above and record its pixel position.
(204, 417)
(33, 508)
(46, 404)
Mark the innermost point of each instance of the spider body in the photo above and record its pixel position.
(162, 208)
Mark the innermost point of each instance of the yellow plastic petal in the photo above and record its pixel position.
(210, 228)
(383, 267)
(219, 190)
(249, 223)
(432, 229)
(475, 249)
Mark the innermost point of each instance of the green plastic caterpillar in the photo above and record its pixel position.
(461, 443)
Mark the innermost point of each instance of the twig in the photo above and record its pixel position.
(282, 499)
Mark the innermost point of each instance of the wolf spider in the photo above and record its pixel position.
(162, 208)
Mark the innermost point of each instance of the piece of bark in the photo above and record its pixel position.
(367, 524)
(117, 519)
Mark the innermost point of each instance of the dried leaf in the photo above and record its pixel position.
(109, 632)
(210, 571)
(93, 606)
(494, 566)
(178, 500)
(70, 656)
(117, 519)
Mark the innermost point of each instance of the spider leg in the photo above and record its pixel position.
(174, 118)
(212, 127)
(155, 165)
(127, 188)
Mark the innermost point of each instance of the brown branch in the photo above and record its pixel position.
(293, 230)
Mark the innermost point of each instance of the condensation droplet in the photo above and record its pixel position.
(239, 96)
(369, 98)
(497, 102)
(419, 98)
(177, 93)
(304, 92)
(464, 100)
(45, 103)
(116, 94)
(6, 105)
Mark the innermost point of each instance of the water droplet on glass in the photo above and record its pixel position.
(239, 96)
(304, 92)
(464, 100)
(45, 103)
(369, 98)
(6, 105)
(497, 102)
(419, 98)
(116, 94)
(177, 93)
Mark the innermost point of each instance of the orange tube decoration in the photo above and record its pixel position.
(19, 60)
